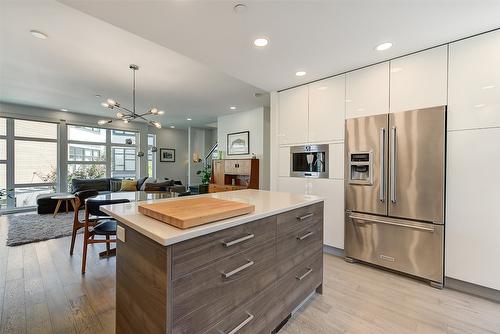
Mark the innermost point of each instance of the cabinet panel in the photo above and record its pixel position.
(284, 161)
(333, 192)
(293, 115)
(327, 109)
(474, 82)
(367, 91)
(336, 161)
(294, 185)
(473, 218)
(419, 80)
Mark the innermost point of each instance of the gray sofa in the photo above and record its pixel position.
(45, 204)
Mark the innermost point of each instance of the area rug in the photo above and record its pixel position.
(32, 227)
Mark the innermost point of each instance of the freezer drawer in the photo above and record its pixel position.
(407, 246)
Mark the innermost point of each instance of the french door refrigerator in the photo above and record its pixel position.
(395, 191)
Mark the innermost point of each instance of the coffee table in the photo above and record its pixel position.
(66, 198)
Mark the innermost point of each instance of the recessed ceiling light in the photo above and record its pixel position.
(172, 126)
(38, 34)
(384, 46)
(260, 42)
(64, 109)
(232, 107)
(488, 87)
(97, 95)
(189, 119)
(300, 73)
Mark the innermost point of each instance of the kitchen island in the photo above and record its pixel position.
(240, 275)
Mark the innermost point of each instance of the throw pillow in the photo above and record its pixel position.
(158, 186)
(115, 185)
(148, 180)
(129, 185)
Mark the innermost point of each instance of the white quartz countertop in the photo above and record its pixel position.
(267, 203)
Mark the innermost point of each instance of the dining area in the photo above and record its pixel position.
(96, 226)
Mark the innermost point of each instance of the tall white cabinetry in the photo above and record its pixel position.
(293, 115)
(419, 80)
(327, 110)
(473, 190)
(367, 91)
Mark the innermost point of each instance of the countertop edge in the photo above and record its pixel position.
(211, 227)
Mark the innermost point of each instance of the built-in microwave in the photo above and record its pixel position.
(309, 161)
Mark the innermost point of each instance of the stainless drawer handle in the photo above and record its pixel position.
(309, 215)
(240, 326)
(304, 275)
(305, 236)
(428, 229)
(237, 270)
(237, 241)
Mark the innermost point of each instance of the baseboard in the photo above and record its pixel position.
(472, 289)
(333, 251)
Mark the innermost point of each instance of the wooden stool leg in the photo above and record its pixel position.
(107, 245)
(66, 203)
(84, 257)
(57, 207)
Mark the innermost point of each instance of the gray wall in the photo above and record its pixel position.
(178, 140)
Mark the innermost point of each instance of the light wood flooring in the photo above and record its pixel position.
(42, 291)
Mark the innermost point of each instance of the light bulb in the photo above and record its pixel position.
(103, 121)
(111, 102)
(161, 112)
(104, 104)
(154, 111)
(119, 115)
(125, 121)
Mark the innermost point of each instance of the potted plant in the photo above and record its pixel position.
(206, 175)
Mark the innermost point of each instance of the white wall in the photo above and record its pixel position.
(255, 121)
(178, 140)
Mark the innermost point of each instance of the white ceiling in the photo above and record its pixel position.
(320, 37)
(85, 56)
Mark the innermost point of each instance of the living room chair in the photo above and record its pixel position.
(96, 223)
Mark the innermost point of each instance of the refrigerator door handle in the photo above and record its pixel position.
(393, 165)
(380, 221)
(382, 165)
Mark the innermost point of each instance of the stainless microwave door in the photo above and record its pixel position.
(417, 164)
(366, 186)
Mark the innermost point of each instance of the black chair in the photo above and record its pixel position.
(80, 198)
(97, 223)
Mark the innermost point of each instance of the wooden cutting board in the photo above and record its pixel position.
(193, 212)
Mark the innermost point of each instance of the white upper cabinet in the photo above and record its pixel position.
(367, 91)
(284, 161)
(293, 115)
(327, 109)
(419, 80)
(474, 82)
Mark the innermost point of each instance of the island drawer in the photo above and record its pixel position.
(195, 253)
(207, 295)
(298, 283)
(305, 216)
(297, 246)
(256, 317)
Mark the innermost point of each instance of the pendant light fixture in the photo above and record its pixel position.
(126, 115)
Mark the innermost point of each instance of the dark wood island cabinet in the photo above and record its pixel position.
(246, 278)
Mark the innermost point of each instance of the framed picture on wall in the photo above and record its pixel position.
(238, 143)
(167, 155)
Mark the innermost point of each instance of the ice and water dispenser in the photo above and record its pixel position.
(361, 168)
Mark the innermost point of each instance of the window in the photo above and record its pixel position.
(123, 162)
(35, 161)
(3, 164)
(151, 155)
(97, 152)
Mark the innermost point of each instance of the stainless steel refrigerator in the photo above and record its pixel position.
(395, 191)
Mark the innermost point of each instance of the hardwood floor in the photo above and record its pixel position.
(42, 291)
